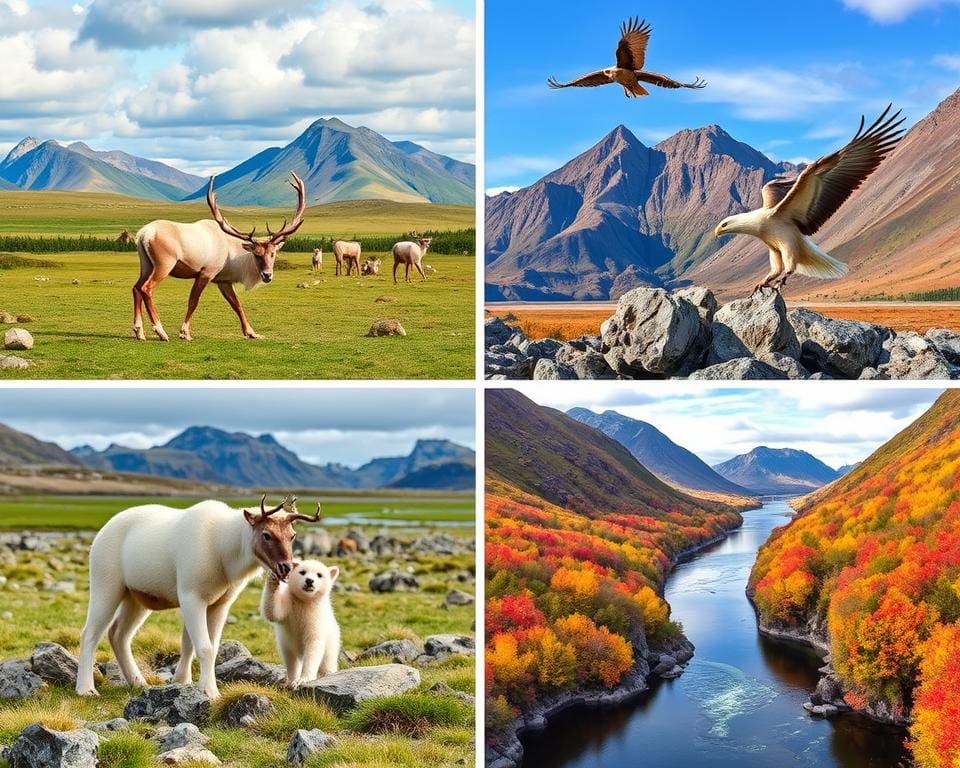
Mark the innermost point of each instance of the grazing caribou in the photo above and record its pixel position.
(347, 251)
(408, 253)
(154, 558)
(317, 261)
(207, 252)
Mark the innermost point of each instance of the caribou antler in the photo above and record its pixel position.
(286, 231)
(289, 503)
(225, 225)
(307, 518)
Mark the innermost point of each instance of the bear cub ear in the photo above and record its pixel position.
(334, 571)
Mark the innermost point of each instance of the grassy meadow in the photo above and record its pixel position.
(82, 310)
(408, 731)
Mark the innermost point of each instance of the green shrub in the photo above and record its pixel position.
(408, 715)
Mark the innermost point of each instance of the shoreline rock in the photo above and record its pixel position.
(655, 334)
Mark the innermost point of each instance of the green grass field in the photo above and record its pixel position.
(404, 732)
(82, 310)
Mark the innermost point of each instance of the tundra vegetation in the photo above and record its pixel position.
(407, 731)
(871, 567)
(62, 266)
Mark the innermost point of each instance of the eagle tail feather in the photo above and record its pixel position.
(815, 262)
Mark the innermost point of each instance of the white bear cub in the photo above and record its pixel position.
(308, 636)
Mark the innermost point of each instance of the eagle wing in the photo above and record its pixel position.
(775, 190)
(586, 81)
(826, 184)
(668, 82)
(632, 49)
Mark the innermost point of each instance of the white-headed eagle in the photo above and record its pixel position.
(629, 72)
(795, 208)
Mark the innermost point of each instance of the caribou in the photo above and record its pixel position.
(317, 260)
(408, 253)
(207, 251)
(347, 251)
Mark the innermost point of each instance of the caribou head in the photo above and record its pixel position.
(264, 250)
(273, 534)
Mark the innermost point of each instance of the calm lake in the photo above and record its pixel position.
(738, 705)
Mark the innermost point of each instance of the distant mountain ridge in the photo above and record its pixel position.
(776, 471)
(19, 449)
(337, 162)
(213, 455)
(670, 462)
(621, 215)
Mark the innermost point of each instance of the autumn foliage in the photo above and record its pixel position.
(567, 591)
(873, 562)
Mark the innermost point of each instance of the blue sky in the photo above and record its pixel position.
(791, 79)
(349, 426)
(203, 85)
(837, 423)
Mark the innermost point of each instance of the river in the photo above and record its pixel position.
(738, 704)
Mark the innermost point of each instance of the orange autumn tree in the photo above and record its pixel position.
(872, 563)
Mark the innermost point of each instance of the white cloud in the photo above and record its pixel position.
(516, 165)
(891, 11)
(769, 93)
(949, 61)
(493, 191)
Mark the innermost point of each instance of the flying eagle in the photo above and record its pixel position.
(795, 208)
(629, 71)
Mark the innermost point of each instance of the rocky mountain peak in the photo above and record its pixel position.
(26, 145)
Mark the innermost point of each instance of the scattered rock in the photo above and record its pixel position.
(249, 669)
(820, 710)
(458, 597)
(587, 363)
(54, 664)
(747, 368)
(304, 743)
(116, 724)
(550, 370)
(909, 355)
(788, 365)
(191, 754)
(247, 709)
(703, 299)
(840, 348)
(24, 318)
(6, 318)
(665, 664)
(652, 330)
(511, 365)
(386, 300)
(182, 735)
(442, 689)
(18, 680)
(495, 332)
(751, 326)
(229, 649)
(171, 704)
(392, 581)
(398, 651)
(441, 646)
(344, 690)
(947, 343)
(12, 362)
(17, 339)
(390, 327)
(40, 747)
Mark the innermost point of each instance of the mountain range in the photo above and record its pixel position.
(336, 161)
(670, 462)
(623, 214)
(777, 471)
(210, 455)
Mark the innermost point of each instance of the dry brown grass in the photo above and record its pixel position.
(558, 324)
(899, 317)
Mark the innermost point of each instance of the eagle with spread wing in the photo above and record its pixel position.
(629, 72)
(795, 208)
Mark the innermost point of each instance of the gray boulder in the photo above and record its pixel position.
(229, 649)
(495, 331)
(115, 724)
(652, 331)
(249, 669)
(171, 704)
(343, 691)
(751, 326)
(909, 355)
(841, 348)
(544, 348)
(190, 754)
(399, 651)
(18, 680)
(40, 747)
(247, 709)
(664, 665)
(458, 597)
(512, 365)
(441, 646)
(17, 339)
(54, 664)
(587, 363)
(788, 365)
(182, 735)
(304, 743)
(12, 362)
(745, 368)
(947, 343)
(393, 581)
(703, 299)
(820, 710)
(550, 370)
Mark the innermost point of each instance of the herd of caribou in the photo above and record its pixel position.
(214, 251)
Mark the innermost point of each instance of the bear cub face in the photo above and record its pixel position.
(312, 580)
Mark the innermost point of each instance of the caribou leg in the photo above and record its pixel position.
(146, 291)
(201, 282)
(138, 313)
(419, 269)
(234, 301)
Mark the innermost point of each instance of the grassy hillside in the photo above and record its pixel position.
(579, 540)
(876, 558)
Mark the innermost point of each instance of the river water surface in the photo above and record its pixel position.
(738, 705)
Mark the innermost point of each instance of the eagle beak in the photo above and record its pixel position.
(717, 231)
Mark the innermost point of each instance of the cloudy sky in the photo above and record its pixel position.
(790, 79)
(349, 426)
(204, 84)
(838, 423)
